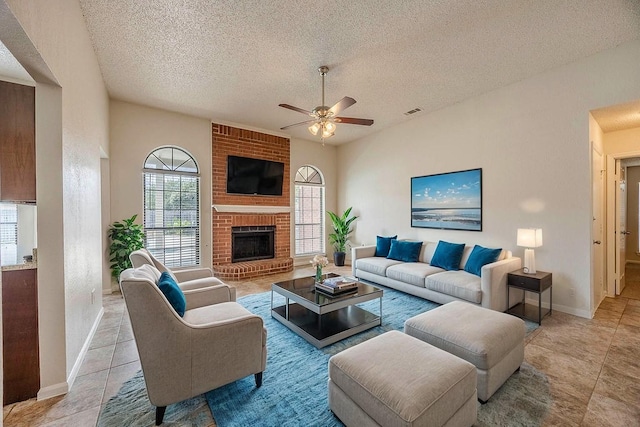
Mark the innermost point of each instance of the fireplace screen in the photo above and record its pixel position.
(252, 243)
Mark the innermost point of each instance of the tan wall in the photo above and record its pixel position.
(621, 142)
(532, 141)
(135, 132)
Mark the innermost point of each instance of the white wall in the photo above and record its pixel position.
(68, 175)
(135, 132)
(532, 141)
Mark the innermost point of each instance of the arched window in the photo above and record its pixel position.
(309, 211)
(172, 207)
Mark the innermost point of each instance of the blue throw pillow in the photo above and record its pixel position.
(404, 251)
(383, 244)
(173, 293)
(479, 257)
(448, 255)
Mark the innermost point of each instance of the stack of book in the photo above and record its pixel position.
(337, 285)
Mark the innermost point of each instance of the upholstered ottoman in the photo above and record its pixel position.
(492, 341)
(396, 380)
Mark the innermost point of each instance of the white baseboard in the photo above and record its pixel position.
(83, 352)
(563, 308)
(53, 391)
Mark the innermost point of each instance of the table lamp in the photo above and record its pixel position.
(529, 238)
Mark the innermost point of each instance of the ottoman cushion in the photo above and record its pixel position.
(478, 335)
(399, 380)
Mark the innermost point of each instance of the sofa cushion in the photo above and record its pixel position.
(413, 273)
(216, 313)
(375, 265)
(173, 293)
(459, 284)
(479, 257)
(448, 255)
(402, 250)
(383, 244)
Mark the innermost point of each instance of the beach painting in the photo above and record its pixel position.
(451, 201)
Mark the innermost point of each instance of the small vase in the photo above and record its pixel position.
(318, 274)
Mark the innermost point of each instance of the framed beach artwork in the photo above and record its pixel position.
(449, 201)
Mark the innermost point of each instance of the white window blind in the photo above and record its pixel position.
(309, 212)
(8, 233)
(172, 207)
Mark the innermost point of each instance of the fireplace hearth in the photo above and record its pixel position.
(250, 243)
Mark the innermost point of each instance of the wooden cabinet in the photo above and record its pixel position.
(17, 142)
(20, 352)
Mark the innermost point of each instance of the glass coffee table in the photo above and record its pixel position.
(322, 319)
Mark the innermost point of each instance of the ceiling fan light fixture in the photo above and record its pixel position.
(326, 133)
(324, 118)
(330, 127)
(314, 128)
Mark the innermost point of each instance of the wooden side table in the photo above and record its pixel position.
(537, 283)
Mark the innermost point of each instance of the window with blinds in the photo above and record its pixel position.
(309, 212)
(172, 207)
(8, 233)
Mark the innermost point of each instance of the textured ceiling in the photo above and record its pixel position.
(618, 117)
(236, 60)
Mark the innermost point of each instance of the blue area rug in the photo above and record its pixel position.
(294, 390)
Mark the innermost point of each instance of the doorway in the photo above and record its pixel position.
(630, 210)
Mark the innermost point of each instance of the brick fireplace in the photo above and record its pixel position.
(248, 212)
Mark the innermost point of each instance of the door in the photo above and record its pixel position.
(621, 226)
(597, 231)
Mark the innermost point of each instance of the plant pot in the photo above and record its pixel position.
(338, 258)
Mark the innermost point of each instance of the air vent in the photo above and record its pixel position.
(415, 110)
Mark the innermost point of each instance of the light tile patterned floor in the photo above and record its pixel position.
(592, 365)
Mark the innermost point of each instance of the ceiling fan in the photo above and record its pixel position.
(324, 119)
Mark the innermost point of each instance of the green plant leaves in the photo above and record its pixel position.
(341, 229)
(126, 237)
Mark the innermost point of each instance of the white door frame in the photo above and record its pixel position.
(611, 218)
(598, 259)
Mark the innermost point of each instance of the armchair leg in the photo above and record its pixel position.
(258, 378)
(160, 414)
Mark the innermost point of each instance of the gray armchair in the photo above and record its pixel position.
(187, 278)
(216, 342)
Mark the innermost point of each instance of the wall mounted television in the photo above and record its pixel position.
(254, 176)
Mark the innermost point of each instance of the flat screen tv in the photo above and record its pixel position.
(254, 176)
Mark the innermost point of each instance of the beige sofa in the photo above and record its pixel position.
(488, 290)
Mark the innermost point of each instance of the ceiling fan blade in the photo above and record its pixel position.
(343, 104)
(299, 110)
(354, 121)
(308, 122)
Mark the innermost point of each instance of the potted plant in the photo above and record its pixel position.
(125, 237)
(340, 236)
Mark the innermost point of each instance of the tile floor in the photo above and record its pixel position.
(593, 366)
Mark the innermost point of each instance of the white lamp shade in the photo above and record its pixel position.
(529, 237)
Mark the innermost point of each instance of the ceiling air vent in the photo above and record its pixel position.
(415, 110)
